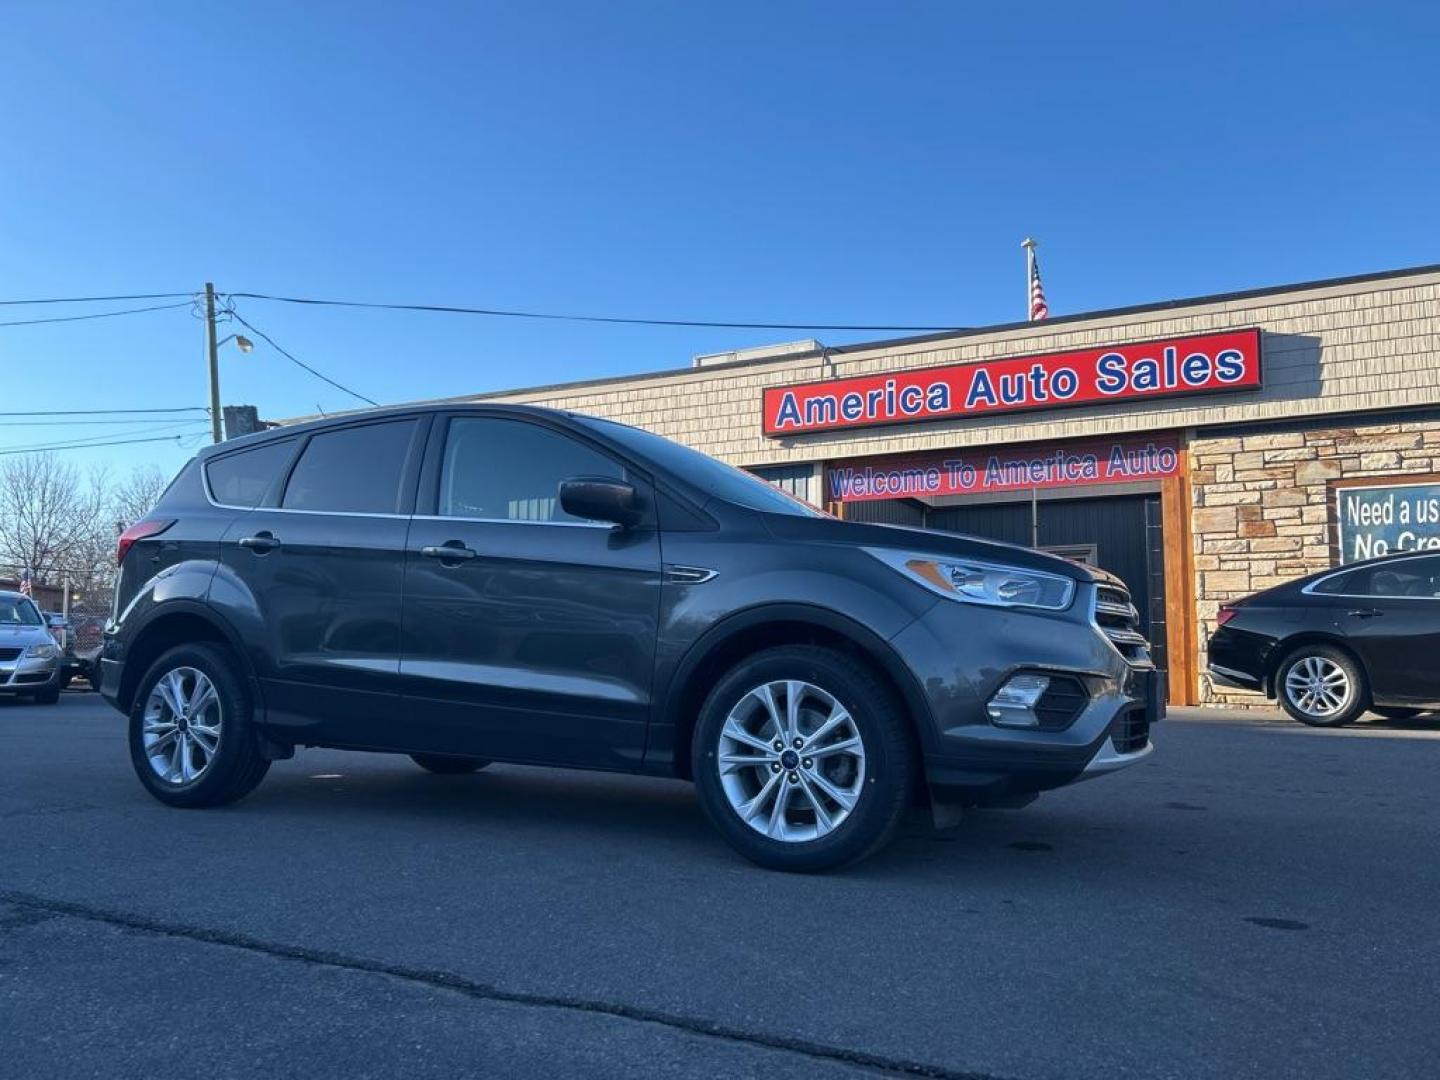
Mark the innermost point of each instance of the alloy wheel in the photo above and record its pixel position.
(181, 727)
(1318, 686)
(791, 760)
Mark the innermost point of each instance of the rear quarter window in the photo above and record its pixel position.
(244, 478)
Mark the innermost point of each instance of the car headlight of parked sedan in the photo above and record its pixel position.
(42, 652)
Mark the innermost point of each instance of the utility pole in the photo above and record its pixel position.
(214, 349)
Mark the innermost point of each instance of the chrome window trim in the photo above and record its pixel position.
(1309, 590)
(210, 498)
(514, 521)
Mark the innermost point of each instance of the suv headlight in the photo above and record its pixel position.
(42, 652)
(976, 582)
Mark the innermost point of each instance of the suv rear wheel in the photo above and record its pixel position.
(1322, 686)
(803, 759)
(192, 741)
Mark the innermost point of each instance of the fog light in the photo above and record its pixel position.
(1014, 703)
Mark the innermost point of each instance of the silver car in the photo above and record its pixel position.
(29, 656)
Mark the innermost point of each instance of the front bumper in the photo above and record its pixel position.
(961, 655)
(27, 676)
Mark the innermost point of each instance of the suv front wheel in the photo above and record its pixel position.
(803, 759)
(191, 739)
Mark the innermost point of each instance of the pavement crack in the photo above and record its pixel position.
(460, 984)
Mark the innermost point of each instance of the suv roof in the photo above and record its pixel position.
(307, 426)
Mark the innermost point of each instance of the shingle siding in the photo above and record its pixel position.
(1367, 345)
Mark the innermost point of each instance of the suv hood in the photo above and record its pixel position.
(832, 530)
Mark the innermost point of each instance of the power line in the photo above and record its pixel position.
(77, 423)
(99, 299)
(77, 442)
(95, 315)
(102, 412)
(96, 446)
(449, 310)
(299, 363)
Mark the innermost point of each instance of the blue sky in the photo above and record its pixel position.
(781, 162)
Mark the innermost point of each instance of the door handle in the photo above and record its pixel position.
(450, 550)
(1366, 613)
(260, 543)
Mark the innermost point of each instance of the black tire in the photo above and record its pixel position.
(50, 696)
(1325, 657)
(65, 680)
(1392, 713)
(889, 758)
(447, 764)
(237, 765)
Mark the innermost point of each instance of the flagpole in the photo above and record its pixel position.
(1029, 246)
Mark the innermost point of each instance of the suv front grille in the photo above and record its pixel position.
(1118, 620)
(9, 654)
(1130, 731)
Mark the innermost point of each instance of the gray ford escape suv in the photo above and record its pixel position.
(467, 584)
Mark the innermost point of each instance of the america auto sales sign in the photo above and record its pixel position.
(1203, 364)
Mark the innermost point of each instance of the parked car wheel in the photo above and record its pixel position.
(1322, 686)
(192, 741)
(803, 759)
(48, 697)
(1390, 713)
(448, 765)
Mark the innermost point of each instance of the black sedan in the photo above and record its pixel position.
(1330, 646)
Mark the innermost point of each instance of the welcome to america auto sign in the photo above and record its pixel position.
(959, 472)
(1188, 365)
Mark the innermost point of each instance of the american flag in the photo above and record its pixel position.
(1038, 308)
(26, 588)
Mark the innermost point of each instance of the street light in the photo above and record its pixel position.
(243, 343)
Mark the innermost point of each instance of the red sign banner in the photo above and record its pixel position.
(990, 471)
(1189, 365)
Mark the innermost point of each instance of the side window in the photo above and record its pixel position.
(355, 470)
(1334, 585)
(1413, 578)
(510, 470)
(243, 479)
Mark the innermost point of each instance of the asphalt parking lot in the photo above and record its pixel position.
(1256, 900)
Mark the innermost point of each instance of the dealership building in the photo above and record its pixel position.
(1201, 449)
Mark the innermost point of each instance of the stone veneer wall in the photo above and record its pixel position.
(1264, 508)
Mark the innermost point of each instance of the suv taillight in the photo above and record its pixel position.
(139, 531)
(1225, 614)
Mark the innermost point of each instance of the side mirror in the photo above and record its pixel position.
(600, 499)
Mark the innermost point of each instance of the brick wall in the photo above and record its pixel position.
(1264, 507)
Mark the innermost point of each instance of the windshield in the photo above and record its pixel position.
(17, 611)
(704, 472)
